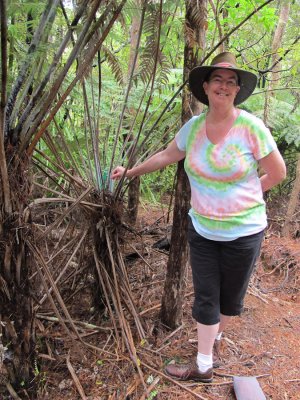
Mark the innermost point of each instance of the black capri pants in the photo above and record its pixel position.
(221, 273)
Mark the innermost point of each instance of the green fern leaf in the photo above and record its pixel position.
(114, 64)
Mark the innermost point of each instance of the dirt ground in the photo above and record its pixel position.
(263, 343)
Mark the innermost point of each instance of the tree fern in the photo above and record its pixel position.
(149, 51)
(114, 63)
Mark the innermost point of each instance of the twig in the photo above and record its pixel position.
(169, 337)
(150, 309)
(278, 288)
(80, 323)
(272, 90)
(140, 255)
(156, 306)
(75, 379)
(44, 200)
(12, 391)
(211, 384)
(159, 281)
(125, 328)
(290, 324)
(151, 387)
(66, 213)
(251, 291)
(231, 376)
(133, 386)
(160, 252)
(46, 357)
(273, 270)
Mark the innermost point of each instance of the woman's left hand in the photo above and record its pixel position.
(275, 170)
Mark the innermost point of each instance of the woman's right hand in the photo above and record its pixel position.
(118, 172)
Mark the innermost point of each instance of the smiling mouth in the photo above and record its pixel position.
(222, 94)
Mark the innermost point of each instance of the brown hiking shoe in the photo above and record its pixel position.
(216, 354)
(186, 372)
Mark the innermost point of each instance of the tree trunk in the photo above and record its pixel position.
(293, 202)
(16, 312)
(17, 342)
(134, 184)
(171, 309)
(225, 45)
(277, 40)
(133, 200)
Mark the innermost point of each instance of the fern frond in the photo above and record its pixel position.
(189, 35)
(114, 64)
(132, 9)
(149, 54)
(197, 17)
(198, 12)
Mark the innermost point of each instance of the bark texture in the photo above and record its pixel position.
(16, 302)
(134, 185)
(171, 310)
(277, 40)
(293, 202)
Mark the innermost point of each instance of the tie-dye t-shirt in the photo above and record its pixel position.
(226, 195)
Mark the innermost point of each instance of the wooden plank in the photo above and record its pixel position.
(247, 388)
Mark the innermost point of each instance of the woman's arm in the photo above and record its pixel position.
(159, 160)
(274, 168)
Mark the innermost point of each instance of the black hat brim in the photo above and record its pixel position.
(247, 83)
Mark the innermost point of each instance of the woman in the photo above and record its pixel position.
(223, 148)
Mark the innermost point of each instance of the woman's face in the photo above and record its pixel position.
(222, 87)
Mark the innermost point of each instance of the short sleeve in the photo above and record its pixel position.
(262, 140)
(182, 136)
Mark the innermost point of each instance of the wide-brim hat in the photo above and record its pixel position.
(225, 60)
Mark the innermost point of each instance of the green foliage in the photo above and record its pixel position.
(152, 395)
(151, 49)
(97, 120)
(237, 11)
(115, 65)
(284, 119)
(132, 9)
(21, 8)
(157, 185)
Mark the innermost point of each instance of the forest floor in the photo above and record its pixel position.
(262, 343)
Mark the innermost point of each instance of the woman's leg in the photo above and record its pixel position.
(221, 273)
(224, 322)
(238, 261)
(204, 257)
(206, 337)
(207, 342)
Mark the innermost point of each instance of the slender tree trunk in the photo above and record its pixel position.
(133, 200)
(293, 202)
(134, 185)
(277, 40)
(216, 12)
(171, 310)
(225, 44)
